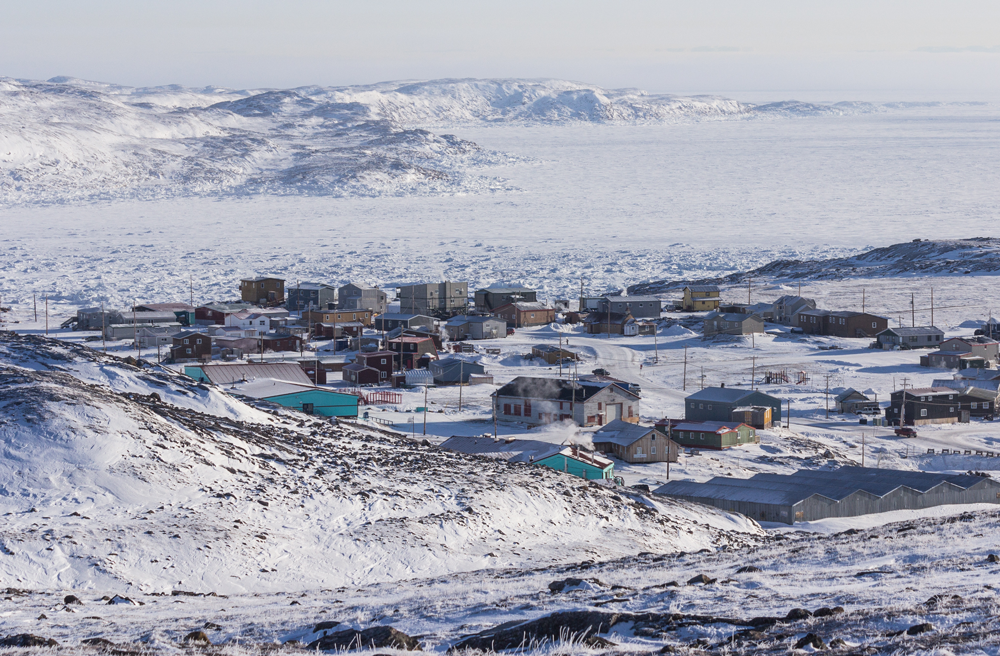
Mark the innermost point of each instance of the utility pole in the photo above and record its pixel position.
(862, 300)
(425, 411)
(913, 312)
(461, 371)
(580, 309)
(862, 448)
(104, 328)
(932, 306)
(493, 402)
(828, 395)
(788, 414)
(34, 302)
(135, 329)
(191, 288)
(753, 372)
(560, 355)
(656, 354)
(685, 369)
(46, 314)
(703, 377)
(748, 289)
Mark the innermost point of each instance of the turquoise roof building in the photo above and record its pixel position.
(575, 461)
(304, 398)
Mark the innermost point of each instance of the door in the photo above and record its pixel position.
(614, 411)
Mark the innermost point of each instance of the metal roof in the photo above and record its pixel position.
(223, 374)
(621, 433)
(464, 319)
(731, 316)
(850, 391)
(401, 317)
(310, 286)
(633, 299)
(504, 290)
(913, 331)
(526, 387)
(703, 288)
(512, 450)
(707, 426)
(724, 394)
(790, 489)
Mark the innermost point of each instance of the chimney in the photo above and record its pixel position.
(722, 384)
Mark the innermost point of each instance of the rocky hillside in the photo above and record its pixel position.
(977, 255)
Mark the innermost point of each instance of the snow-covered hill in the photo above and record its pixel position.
(74, 140)
(123, 478)
(977, 255)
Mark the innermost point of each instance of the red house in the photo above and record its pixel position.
(370, 368)
(412, 352)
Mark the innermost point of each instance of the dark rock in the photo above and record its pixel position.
(325, 626)
(798, 614)
(424, 443)
(27, 640)
(748, 569)
(98, 642)
(598, 642)
(917, 629)
(810, 640)
(43, 616)
(702, 579)
(198, 638)
(837, 643)
(558, 586)
(993, 558)
(72, 600)
(211, 626)
(641, 487)
(374, 637)
(118, 599)
(575, 625)
(827, 612)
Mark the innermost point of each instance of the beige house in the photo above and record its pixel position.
(634, 443)
(701, 298)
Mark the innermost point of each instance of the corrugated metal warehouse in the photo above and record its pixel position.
(808, 495)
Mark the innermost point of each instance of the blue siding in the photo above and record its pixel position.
(573, 466)
(196, 373)
(327, 404)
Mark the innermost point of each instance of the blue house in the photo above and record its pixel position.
(304, 398)
(576, 461)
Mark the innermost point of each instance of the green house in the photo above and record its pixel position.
(304, 398)
(586, 465)
(710, 434)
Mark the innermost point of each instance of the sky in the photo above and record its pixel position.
(892, 47)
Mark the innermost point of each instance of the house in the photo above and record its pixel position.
(307, 399)
(125, 328)
(359, 296)
(227, 374)
(338, 330)
(853, 401)
(453, 371)
(418, 331)
(191, 345)
(165, 307)
(445, 298)
(412, 352)
(909, 338)
(979, 402)
(718, 403)
(634, 444)
(488, 300)
(716, 435)
(131, 330)
(263, 291)
(313, 317)
(954, 360)
(579, 462)
(553, 354)
(157, 334)
(521, 314)
(601, 323)
(373, 368)
(758, 416)
(980, 345)
(786, 307)
(841, 324)
(216, 313)
(475, 327)
(987, 379)
(538, 401)
(700, 298)
(928, 405)
(717, 323)
(97, 319)
(387, 322)
(276, 342)
(250, 322)
(310, 296)
(640, 307)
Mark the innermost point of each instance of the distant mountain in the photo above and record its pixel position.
(75, 140)
(918, 257)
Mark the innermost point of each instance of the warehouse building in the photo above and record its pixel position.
(809, 495)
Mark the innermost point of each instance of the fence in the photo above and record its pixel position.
(373, 397)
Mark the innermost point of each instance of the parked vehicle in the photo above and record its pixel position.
(510, 331)
(601, 372)
(906, 431)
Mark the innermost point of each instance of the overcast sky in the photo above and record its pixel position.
(902, 47)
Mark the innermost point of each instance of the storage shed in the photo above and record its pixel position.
(718, 403)
(809, 495)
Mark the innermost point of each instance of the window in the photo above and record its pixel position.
(652, 450)
(198, 341)
(692, 405)
(355, 316)
(527, 408)
(923, 412)
(600, 406)
(873, 324)
(701, 406)
(517, 410)
(709, 406)
(187, 341)
(974, 404)
(630, 414)
(951, 409)
(506, 408)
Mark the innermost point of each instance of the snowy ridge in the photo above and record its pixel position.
(979, 255)
(74, 140)
(118, 489)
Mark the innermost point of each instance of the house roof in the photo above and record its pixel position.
(310, 286)
(979, 393)
(584, 456)
(621, 433)
(527, 307)
(402, 317)
(224, 374)
(464, 319)
(553, 389)
(848, 393)
(376, 354)
(925, 391)
(724, 394)
(227, 308)
(731, 316)
(188, 333)
(702, 288)
(633, 299)
(549, 348)
(913, 331)
(512, 450)
(707, 426)
(456, 363)
(504, 290)
(165, 307)
(602, 317)
(263, 279)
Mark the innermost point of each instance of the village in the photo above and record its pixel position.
(581, 386)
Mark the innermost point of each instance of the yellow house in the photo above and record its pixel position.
(701, 298)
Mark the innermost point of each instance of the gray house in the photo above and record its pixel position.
(452, 371)
(718, 403)
(491, 298)
(309, 296)
(910, 337)
(539, 401)
(359, 296)
(465, 327)
(640, 307)
(390, 321)
(717, 323)
(851, 400)
(786, 307)
(97, 319)
(434, 298)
